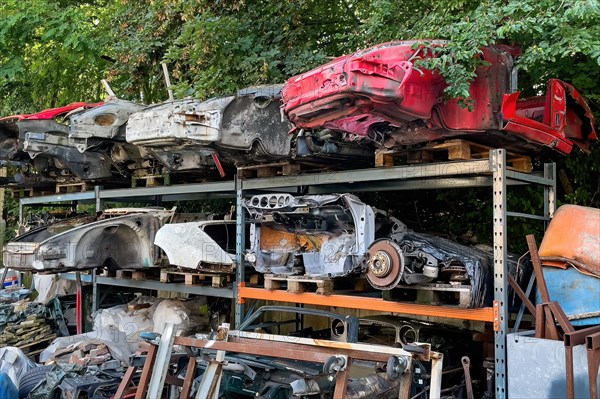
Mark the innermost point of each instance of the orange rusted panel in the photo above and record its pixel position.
(271, 239)
(573, 238)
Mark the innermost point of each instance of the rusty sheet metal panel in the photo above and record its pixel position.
(189, 245)
(573, 238)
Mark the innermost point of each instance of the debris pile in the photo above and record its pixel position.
(83, 354)
(23, 325)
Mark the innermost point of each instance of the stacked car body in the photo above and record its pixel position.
(336, 115)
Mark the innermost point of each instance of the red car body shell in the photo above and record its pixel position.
(51, 113)
(381, 86)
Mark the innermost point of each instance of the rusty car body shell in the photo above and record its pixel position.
(377, 95)
(330, 233)
(183, 134)
(116, 242)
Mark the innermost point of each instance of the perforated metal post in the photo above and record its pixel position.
(95, 291)
(550, 191)
(498, 159)
(240, 245)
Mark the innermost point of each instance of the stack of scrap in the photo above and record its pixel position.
(84, 353)
(23, 325)
(26, 332)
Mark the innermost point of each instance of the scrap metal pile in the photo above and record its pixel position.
(337, 115)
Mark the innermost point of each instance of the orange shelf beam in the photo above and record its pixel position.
(357, 302)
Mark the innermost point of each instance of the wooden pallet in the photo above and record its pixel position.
(28, 193)
(142, 274)
(451, 150)
(269, 170)
(298, 284)
(217, 280)
(68, 188)
(433, 294)
(151, 180)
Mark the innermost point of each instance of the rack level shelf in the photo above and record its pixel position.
(224, 292)
(366, 303)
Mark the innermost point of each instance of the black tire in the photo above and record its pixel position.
(31, 378)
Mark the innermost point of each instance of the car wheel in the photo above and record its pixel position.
(31, 378)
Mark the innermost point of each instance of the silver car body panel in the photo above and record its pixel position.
(190, 246)
(104, 122)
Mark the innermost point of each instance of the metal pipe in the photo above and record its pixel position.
(167, 80)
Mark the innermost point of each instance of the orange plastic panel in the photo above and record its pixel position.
(573, 236)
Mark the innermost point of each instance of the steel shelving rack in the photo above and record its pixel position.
(492, 173)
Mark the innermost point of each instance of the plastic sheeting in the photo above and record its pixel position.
(49, 286)
(130, 322)
(8, 390)
(189, 316)
(14, 363)
(115, 340)
(46, 389)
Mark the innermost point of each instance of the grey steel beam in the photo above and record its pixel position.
(421, 171)
(87, 195)
(173, 287)
(500, 269)
(405, 185)
(527, 216)
(209, 187)
(530, 178)
(153, 285)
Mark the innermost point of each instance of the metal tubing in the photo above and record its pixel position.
(435, 382)
(79, 303)
(498, 159)
(140, 393)
(527, 216)
(161, 365)
(593, 358)
(190, 375)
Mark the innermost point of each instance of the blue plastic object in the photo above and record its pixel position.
(578, 294)
(7, 388)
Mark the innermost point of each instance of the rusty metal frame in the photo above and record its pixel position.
(279, 346)
(592, 343)
(319, 351)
